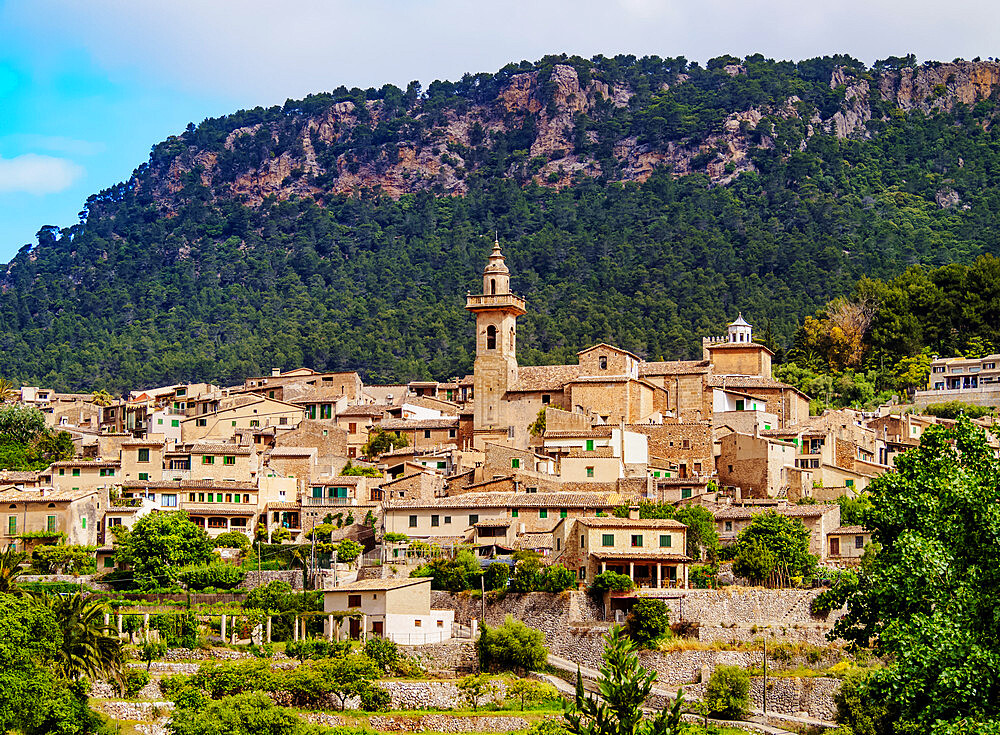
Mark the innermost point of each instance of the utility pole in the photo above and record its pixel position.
(482, 584)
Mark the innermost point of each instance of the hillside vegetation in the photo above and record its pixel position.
(640, 202)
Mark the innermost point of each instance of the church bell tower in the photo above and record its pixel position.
(495, 369)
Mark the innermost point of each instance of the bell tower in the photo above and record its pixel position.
(495, 369)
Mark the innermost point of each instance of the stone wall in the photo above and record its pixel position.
(797, 696)
(256, 579)
(446, 660)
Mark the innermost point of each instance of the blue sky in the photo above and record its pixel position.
(86, 88)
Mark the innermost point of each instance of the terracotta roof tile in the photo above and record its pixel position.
(544, 377)
(450, 422)
(673, 367)
(615, 522)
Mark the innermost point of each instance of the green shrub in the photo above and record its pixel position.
(557, 578)
(836, 596)
(611, 582)
(496, 576)
(511, 647)
(727, 695)
(219, 576)
(647, 622)
(133, 682)
(374, 698)
(173, 684)
(954, 409)
(233, 540)
(225, 678)
(383, 652)
(317, 648)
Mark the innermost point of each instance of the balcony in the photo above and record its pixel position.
(308, 501)
(494, 301)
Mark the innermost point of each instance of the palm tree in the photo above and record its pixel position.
(10, 569)
(89, 648)
(7, 391)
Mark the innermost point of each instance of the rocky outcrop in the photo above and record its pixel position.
(295, 155)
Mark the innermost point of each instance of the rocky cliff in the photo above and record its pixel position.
(379, 144)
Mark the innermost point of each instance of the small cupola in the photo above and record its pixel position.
(740, 332)
(496, 276)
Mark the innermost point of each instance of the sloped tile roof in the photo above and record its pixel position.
(544, 377)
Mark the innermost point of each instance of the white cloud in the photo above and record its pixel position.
(34, 174)
(53, 143)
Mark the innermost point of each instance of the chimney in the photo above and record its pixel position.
(275, 372)
(633, 513)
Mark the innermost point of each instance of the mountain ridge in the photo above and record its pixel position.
(640, 201)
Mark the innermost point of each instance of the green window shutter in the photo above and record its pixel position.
(515, 463)
(83, 522)
(607, 539)
(543, 512)
(441, 465)
(317, 492)
(513, 513)
(590, 445)
(109, 562)
(143, 455)
(144, 476)
(767, 427)
(590, 472)
(76, 472)
(50, 524)
(159, 422)
(739, 405)
(218, 497)
(473, 519)
(849, 483)
(175, 422)
(685, 492)
(61, 472)
(666, 540)
(11, 525)
(563, 512)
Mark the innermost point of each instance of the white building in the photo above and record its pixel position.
(397, 609)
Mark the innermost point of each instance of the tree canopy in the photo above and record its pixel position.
(927, 598)
(159, 545)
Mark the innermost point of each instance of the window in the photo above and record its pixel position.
(11, 525)
(590, 472)
(583, 540)
(607, 539)
(590, 445)
(254, 423)
(491, 337)
(739, 405)
(229, 460)
(326, 411)
(207, 459)
(440, 623)
(583, 573)
(563, 512)
(50, 524)
(159, 422)
(180, 392)
(83, 522)
(989, 366)
(417, 622)
(859, 542)
(442, 465)
(546, 398)
(270, 394)
(515, 463)
(558, 544)
(175, 423)
(354, 600)
(76, 472)
(514, 512)
(686, 492)
(729, 526)
(602, 362)
(169, 501)
(532, 490)
(352, 427)
(109, 562)
(427, 433)
(283, 421)
(191, 497)
(636, 539)
(413, 521)
(666, 540)
(849, 483)
(473, 519)
(452, 433)
(202, 422)
(62, 471)
(435, 520)
(447, 520)
(144, 476)
(543, 512)
(938, 368)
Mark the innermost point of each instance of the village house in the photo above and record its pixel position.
(756, 466)
(847, 544)
(81, 475)
(652, 552)
(396, 609)
(73, 516)
(243, 411)
(970, 380)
